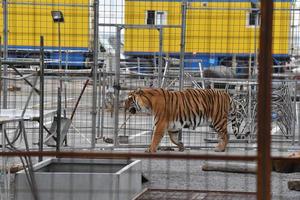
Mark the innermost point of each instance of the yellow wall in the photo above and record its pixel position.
(144, 40)
(208, 31)
(27, 22)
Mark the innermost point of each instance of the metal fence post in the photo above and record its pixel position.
(182, 43)
(5, 50)
(117, 85)
(182, 52)
(264, 102)
(58, 125)
(95, 71)
(160, 59)
(41, 118)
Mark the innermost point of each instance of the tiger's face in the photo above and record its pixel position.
(131, 104)
(135, 102)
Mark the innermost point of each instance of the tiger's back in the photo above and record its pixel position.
(191, 107)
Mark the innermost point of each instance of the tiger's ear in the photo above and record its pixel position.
(139, 91)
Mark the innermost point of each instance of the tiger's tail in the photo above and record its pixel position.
(234, 122)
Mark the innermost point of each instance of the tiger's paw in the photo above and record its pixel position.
(219, 148)
(149, 150)
(181, 147)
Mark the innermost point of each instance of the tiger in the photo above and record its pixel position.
(174, 110)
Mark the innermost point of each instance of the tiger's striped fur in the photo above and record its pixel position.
(174, 110)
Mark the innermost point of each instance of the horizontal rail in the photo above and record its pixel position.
(20, 62)
(141, 26)
(18, 77)
(50, 4)
(110, 154)
(239, 9)
(131, 154)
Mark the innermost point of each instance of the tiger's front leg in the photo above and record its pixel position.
(158, 134)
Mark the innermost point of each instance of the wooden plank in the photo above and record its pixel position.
(230, 167)
(294, 185)
(287, 166)
(12, 168)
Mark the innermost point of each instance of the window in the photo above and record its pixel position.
(156, 17)
(253, 18)
(150, 17)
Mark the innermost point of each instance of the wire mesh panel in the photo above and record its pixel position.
(220, 51)
(28, 20)
(155, 57)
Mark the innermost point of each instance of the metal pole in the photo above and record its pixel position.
(102, 102)
(99, 105)
(4, 165)
(65, 84)
(59, 52)
(293, 28)
(1, 56)
(41, 119)
(294, 113)
(5, 50)
(264, 102)
(58, 125)
(95, 71)
(182, 52)
(117, 85)
(182, 43)
(160, 59)
(298, 112)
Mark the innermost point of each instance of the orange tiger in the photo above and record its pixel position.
(174, 110)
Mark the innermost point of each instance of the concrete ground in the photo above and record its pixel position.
(188, 175)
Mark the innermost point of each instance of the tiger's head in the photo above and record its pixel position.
(137, 101)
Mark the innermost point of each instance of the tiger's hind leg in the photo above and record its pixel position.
(174, 137)
(222, 143)
(223, 138)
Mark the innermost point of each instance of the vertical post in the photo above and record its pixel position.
(58, 125)
(139, 65)
(95, 71)
(103, 85)
(4, 163)
(41, 118)
(65, 85)
(294, 113)
(160, 59)
(292, 43)
(298, 112)
(182, 43)
(99, 104)
(182, 52)
(264, 102)
(117, 85)
(60, 57)
(5, 50)
(1, 56)
(255, 57)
